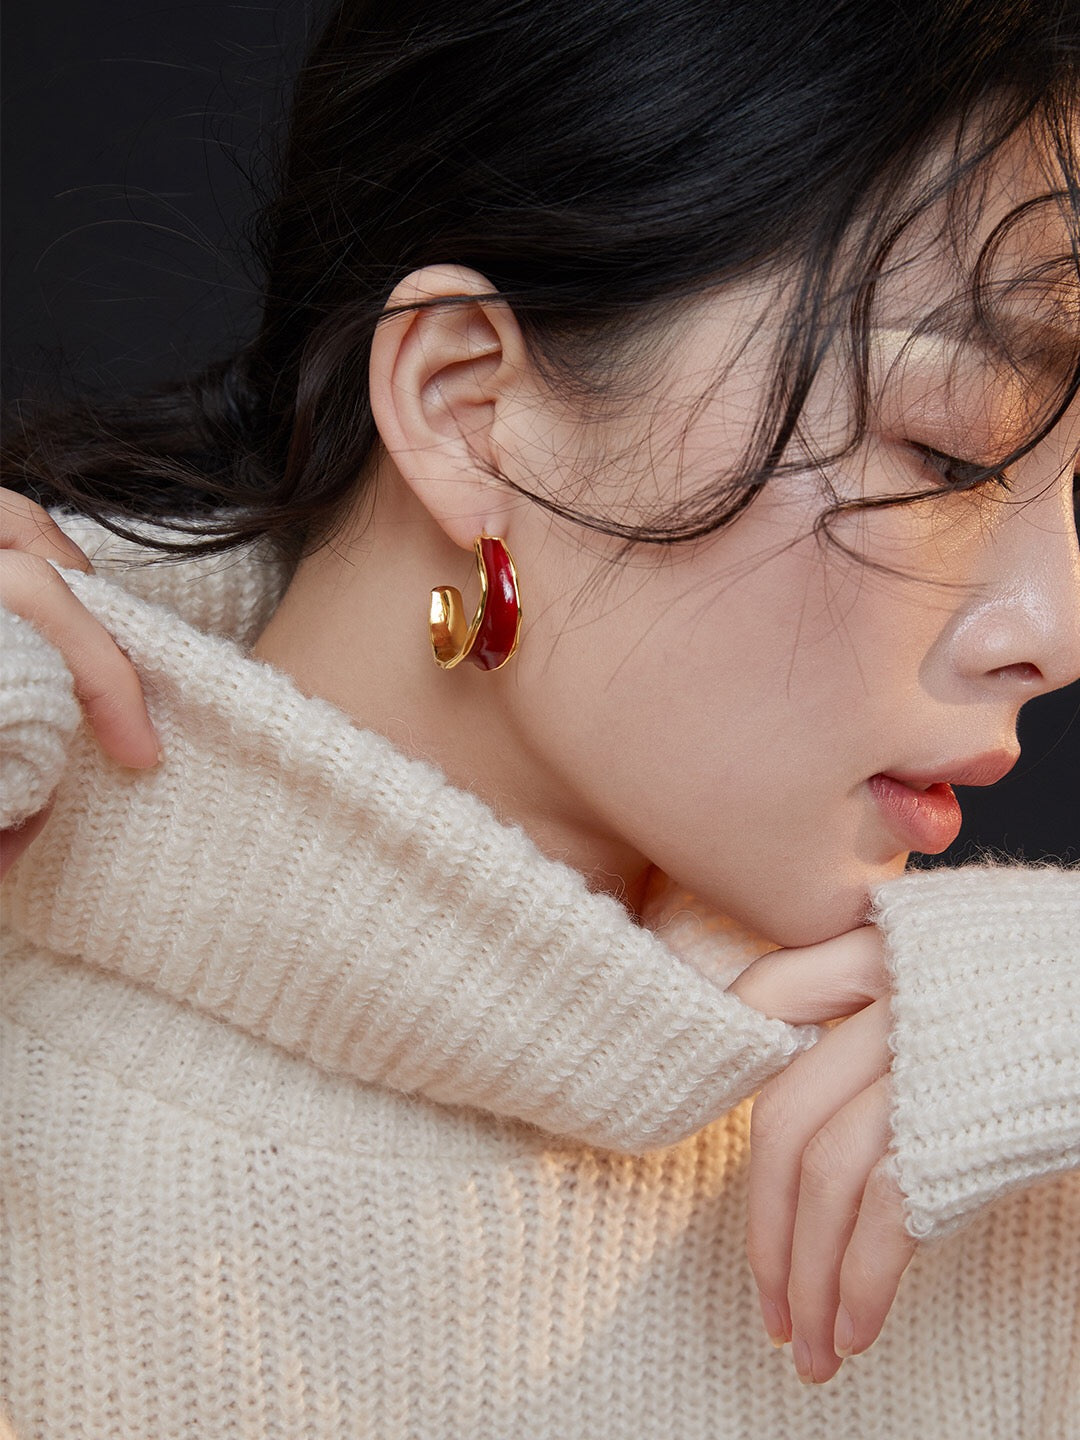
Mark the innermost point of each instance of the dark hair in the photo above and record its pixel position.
(597, 161)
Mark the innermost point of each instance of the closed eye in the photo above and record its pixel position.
(958, 474)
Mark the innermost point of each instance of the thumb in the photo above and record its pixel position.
(816, 983)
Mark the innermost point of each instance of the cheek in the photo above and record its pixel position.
(658, 682)
(721, 726)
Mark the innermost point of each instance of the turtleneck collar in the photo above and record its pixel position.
(300, 879)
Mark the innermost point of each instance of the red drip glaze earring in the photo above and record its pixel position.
(492, 636)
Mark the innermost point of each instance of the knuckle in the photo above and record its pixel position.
(24, 522)
(823, 1162)
(860, 1279)
(882, 1189)
(27, 526)
(770, 1119)
(27, 582)
(17, 512)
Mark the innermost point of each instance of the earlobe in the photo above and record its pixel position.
(441, 360)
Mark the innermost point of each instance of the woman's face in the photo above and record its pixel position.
(728, 709)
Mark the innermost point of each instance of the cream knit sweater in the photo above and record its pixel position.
(334, 1109)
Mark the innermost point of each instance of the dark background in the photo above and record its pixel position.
(132, 136)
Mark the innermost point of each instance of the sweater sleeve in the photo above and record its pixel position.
(986, 1006)
(38, 717)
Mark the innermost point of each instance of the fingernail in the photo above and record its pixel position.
(804, 1364)
(844, 1333)
(773, 1324)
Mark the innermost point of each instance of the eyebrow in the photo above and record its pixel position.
(1052, 349)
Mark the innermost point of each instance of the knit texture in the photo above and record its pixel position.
(986, 1035)
(335, 1109)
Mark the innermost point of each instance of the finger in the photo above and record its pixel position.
(25, 526)
(105, 680)
(788, 1112)
(878, 1253)
(817, 982)
(835, 1168)
(15, 839)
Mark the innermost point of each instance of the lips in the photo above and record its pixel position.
(921, 808)
(985, 769)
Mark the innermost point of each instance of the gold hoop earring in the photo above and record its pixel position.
(491, 637)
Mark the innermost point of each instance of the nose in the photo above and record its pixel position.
(1023, 631)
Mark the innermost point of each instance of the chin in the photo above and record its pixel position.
(822, 907)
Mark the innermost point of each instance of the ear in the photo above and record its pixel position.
(438, 372)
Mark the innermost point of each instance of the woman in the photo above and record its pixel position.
(383, 1066)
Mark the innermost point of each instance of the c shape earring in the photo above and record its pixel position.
(492, 636)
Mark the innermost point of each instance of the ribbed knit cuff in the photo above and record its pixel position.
(38, 716)
(986, 1003)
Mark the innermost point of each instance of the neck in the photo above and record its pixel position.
(352, 629)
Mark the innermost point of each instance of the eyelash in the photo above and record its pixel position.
(958, 474)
